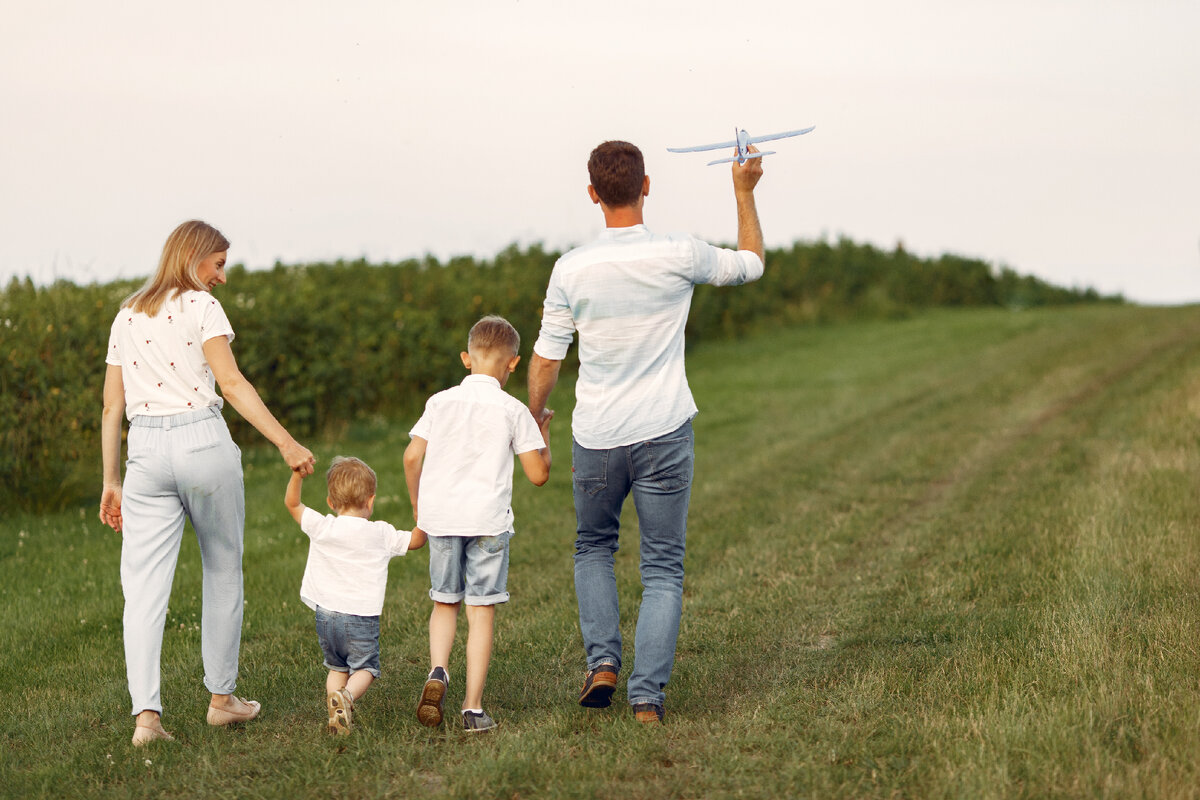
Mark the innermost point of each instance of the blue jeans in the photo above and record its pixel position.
(658, 473)
(470, 567)
(349, 642)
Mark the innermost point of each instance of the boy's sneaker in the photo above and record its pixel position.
(429, 710)
(598, 687)
(648, 713)
(474, 722)
(341, 712)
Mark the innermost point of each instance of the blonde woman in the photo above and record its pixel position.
(169, 345)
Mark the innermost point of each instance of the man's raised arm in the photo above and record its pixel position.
(745, 178)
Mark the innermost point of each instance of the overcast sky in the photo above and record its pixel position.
(1060, 138)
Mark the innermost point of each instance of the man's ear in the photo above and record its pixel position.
(592, 194)
(645, 186)
(466, 358)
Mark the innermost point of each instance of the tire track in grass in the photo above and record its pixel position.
(1159, 355)
(841, 451)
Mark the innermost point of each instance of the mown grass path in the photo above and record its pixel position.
(949, 556)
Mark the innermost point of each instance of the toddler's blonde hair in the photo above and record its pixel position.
(351, 483)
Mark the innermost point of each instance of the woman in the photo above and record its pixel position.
(168, 344)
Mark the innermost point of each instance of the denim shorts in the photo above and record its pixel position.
(473, 569)
(350, 642)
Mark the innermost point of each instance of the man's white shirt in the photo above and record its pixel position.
(628, 294)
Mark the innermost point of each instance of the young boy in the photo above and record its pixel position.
(345, 579)
(459, 465)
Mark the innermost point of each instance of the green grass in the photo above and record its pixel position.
(949, 556)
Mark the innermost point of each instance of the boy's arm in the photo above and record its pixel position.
(536, 463)
(414, 460)
(291, 498)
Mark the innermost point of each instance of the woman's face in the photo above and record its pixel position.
(212, 270)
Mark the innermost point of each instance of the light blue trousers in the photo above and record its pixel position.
(182, 466)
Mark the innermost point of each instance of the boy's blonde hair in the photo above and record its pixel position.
(493, 333)
(188, 245)
(351, 483)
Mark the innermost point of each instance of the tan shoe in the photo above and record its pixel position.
(341, 712)
(223, 716)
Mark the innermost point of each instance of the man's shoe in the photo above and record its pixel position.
(648, 713)
(598, 687)
(477, 723)
(429, 709)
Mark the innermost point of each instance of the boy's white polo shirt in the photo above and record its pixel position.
(473, 431)
(348, 562)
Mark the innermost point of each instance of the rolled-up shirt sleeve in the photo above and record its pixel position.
(723, 267)
(558, 325)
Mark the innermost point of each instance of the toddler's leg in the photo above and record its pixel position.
(336, 681)
(359, 683)
(480, 620)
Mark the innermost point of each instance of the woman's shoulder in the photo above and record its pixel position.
(195, 297)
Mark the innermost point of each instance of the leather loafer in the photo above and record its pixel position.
(221, 716)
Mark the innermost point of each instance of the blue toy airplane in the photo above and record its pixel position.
(742, 143)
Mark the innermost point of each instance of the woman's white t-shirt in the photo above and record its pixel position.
(162, 357)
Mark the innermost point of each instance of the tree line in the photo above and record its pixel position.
(329, 343)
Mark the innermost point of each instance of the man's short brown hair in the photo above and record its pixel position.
(351, 483)
(617, 171)
(494, 333)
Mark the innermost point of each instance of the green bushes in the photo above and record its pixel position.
(329, 343)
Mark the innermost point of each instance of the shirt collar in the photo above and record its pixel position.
(620, 233)
(473, 378)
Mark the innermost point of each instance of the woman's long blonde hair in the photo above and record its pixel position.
(186, 247)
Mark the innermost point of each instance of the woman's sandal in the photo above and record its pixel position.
(144, 734)
(222, 716)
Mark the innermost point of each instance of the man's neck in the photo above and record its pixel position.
(622, 216)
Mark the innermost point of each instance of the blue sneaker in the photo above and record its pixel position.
(429, 709)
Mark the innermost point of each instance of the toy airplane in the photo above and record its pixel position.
(742, 143)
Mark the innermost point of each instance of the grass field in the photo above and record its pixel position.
(944, 557)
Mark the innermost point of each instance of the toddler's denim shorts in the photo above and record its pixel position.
(470, 569)
(350, 642)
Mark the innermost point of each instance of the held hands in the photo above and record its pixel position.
(746, 176)
(298, 457)
(544, 424)
(110, 507)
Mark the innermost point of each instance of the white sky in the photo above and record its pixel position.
(1058, 137)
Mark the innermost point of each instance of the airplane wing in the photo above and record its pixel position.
(700, 147)
(770, 136)
(746, 157)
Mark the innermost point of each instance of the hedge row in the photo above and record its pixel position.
(330, 343)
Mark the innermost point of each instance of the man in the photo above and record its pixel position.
(627, 294)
